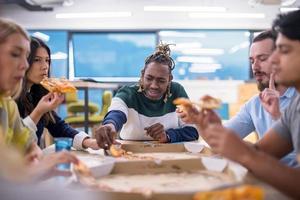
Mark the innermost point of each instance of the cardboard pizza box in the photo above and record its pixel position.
(153, 146)
(234, 174)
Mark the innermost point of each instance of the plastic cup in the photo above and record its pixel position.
(63, 144)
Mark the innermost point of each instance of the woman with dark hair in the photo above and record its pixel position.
(36, 104)
(146, 111)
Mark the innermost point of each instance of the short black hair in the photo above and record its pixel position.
(288, 24)
(267, 34)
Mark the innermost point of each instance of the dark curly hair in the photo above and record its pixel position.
(162, 56)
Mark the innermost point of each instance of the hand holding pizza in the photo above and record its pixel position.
(105, 136)
(200, 113)
(61, 85)
(50, 102)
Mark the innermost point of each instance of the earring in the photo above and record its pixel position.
(168, 93)
(140, 86)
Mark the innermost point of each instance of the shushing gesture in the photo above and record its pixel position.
(269, 98)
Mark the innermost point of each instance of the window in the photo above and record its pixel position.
(111, 56)
(209, 54)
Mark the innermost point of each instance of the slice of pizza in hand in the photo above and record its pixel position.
(209, 102)
(84, 174)
(58, 85)
(206, 102)
(183, 103)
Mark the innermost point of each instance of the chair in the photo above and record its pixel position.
(74, 106)
(78, 120)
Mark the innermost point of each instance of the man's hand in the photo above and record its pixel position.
(201, 119)
(105, 135)
(225, 142)
(270, 99)
(188, 114)
(157, 132)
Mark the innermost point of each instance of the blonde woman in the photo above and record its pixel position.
(14, 50)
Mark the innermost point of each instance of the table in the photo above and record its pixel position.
(270, 192)
(85, 86)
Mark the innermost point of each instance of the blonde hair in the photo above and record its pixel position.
(7, 28)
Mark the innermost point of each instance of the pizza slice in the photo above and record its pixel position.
(84, 174)
(206, 102)
(61, 85)
(117, 151)
(248, 192)
(82, 170)
(209, 102)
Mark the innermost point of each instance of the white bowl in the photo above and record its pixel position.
(193, 147)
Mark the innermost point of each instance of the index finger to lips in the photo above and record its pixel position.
(272, 82)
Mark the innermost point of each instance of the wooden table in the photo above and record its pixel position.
(270, 192)
(85, 86)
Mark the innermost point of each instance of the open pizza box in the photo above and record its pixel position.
(193, 149)
(169, 179)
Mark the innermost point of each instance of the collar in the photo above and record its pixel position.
(289, 93)
(297, 99)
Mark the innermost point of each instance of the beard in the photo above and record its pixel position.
(261, 86)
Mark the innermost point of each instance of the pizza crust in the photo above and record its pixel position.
(61, 85)
(206, 102)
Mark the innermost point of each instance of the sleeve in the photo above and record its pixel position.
(60, 128)
(241, 123)
(187, 133)
(78, 139)
(22, 136)
(29, 123)
(115, 117)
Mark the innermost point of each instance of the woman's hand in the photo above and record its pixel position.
(47, 166)
(47, 103)
(34, 154)
(50, 102)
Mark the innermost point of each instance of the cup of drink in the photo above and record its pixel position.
(63, 143)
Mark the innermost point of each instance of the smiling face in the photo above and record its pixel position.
(13, 61)
(286, 61)
(156, 79)
(40, 66)
(261, 66)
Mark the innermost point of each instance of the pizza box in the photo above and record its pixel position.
(136, 178)
(153, 146)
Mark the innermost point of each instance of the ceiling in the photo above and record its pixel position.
(139, 19)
